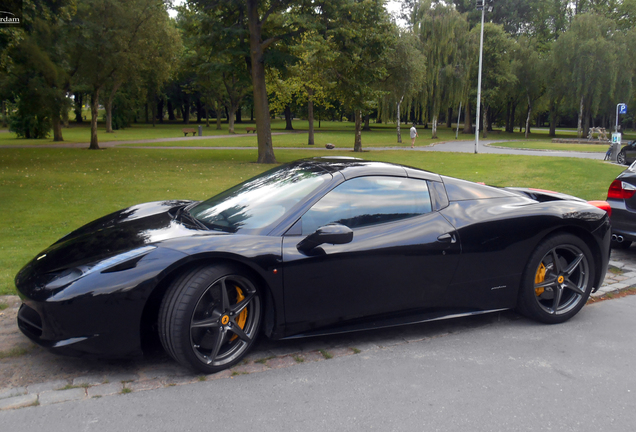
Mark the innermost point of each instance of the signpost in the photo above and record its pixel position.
(621, 108)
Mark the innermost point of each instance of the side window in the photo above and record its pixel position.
(365, 201)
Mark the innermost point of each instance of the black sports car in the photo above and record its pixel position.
(621, 197)
(317, 246)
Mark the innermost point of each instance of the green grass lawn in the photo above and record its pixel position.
(341, 134)
(46, 193)
(549, 145)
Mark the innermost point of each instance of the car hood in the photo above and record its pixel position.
(122, 231)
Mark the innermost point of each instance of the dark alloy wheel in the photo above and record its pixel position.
(620, 158)
(558, 279)
(210, 318)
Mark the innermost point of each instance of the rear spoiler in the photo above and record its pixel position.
(542, 195)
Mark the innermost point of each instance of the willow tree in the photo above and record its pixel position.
(444, 35)
(406, 79)
(588, 59)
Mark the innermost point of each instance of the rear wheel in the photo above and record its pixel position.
(557, 280)
(621, 159)
(210, 318)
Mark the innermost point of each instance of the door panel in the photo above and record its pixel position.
(386, 268)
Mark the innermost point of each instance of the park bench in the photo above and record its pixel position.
(250, 129)
(186, 131)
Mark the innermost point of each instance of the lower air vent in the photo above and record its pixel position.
(29, 321)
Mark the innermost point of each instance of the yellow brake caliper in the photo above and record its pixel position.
(538, 278)
(240, 320)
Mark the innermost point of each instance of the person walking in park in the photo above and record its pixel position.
(413, 135)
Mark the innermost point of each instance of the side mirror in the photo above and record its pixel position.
(332, 234)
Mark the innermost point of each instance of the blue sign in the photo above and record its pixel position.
(622, 109)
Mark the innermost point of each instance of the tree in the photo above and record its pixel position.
(529, 69)
(588, 62)
(113, 40)
(406, 75)
(35, 69)
(444, 35)
(359, 39)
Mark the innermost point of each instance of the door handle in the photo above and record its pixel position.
(447, 238)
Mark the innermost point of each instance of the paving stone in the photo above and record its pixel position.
(249, 368)
(120, 377)
(105, 389)
(366, 346)
(311, 356)
(57, 396)
(46, 386)
(145, 385)
(17, 391)
(341, 352)
(161, 373)
(219, 375)
(90, 380)
(172, 381)
(18, 401)
(282, 362)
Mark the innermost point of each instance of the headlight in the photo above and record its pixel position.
(73, 274)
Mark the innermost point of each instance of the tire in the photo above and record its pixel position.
(620, 158)
(552, 293)
(210, 318)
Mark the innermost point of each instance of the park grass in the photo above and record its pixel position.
(48, 192)
(549, 145)
(341, 134)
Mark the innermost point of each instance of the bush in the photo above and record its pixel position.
(29, 126)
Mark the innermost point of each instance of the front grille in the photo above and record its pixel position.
(29, 321)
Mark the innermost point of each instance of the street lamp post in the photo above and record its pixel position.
(480, 5)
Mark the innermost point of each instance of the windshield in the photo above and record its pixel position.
(261, 200)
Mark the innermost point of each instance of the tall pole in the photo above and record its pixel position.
(481, 49)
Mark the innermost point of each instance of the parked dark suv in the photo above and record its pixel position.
(621, 197)
(627, 155)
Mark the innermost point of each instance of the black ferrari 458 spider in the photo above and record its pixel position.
(313, 247)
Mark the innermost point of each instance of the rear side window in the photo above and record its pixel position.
(366, 201)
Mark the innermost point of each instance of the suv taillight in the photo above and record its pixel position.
(620, 190)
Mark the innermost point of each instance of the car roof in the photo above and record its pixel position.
(351, 167)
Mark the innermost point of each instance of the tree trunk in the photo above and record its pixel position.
(357, 145)
(578, 127)
(449, 118)
(288, 118)
(109, 108)
(218, 111)
(207, 117)
(484, 129)
(366, 123)
(170, 110)
(231, 116)
(186, 110)
(57, 128)
(399, 132)
(94, 109)
(261, 106)
(78, 107)
(310, 116)
(468, 120)
(146, 109)
(239, 118)
(553, 118)
(528, 117)
(199, 110)
(434, 127)
(160, 103)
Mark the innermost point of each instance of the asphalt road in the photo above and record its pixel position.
(499, 373)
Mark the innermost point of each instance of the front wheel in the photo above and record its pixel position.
(557, 280)
(210, 318)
